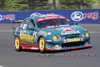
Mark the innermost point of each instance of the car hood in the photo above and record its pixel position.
(66, 30)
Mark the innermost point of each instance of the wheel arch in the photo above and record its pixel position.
(39, 38)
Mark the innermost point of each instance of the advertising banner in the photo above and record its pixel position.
(75, 15)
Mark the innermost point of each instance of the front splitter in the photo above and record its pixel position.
(79, 47)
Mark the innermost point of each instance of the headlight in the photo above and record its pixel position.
(60, 37)
(86, 34)
(55, 37)
(82, 35)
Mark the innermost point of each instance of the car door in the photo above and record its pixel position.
(23, 32)
(32, 34)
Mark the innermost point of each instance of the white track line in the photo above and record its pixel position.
(12, 31)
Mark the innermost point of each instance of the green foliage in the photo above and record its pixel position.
(19, 5)
(88, 3)
(22, 5)
(96, 4)
(67, 4)
(15, 5)
(2, 5)
(74, 4)
(39, 5)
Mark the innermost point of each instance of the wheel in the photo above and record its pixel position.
(42, 44)
(17, 44)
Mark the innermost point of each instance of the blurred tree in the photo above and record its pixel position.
(21, 5)
(40, 5)
(28, 3)
(2, 5)
(98, 3)
(88, 3)
(74, 4)
(15, 5)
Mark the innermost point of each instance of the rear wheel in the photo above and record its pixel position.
(42, 44)
(17, 44)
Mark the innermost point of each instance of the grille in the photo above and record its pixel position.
(72, 44)
(71, 35)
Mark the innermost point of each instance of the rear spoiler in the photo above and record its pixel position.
(15, 22)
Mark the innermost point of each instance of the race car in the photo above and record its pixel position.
(50, 32)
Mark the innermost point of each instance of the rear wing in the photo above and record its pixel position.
(15, 23)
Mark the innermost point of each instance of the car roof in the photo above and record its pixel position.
(35, 16)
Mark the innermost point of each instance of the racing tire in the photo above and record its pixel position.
(42, 44)
(18, 46)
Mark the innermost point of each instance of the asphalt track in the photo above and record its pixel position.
(89, 57)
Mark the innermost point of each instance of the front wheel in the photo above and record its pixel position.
(17, 44)
(42, 44)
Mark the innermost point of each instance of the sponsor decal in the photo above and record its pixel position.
(0, 17)
(34, 48)
(43, 33)
(49, 33)
(73, 40)
(7, 17)
(25, 26)
(92, 15)
(57, 47)
(78, 15)
(50, 26)
(50, 17)
(48, 40)
(35, 36)
(65, 25)
(16, 29)
(70, 32)
(26, 37)
(40, 19)
(82, 39)
(87, 44)
(68, 28)
(65, 41)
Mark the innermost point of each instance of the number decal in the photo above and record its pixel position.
(25, 26)
(35, 36)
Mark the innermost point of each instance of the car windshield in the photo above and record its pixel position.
(53, 23)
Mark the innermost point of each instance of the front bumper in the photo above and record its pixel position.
(65, 44)
(68, 48)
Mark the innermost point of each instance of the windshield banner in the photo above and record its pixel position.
(74, 15)
(50, 17)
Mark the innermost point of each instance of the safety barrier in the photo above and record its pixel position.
(75, 15)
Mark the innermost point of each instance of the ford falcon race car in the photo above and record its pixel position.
(47, 32)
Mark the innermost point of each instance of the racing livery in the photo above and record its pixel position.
(47, 32)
